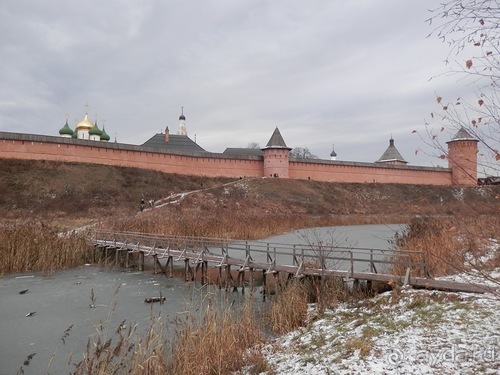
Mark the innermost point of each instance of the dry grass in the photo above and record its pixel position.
(453, 245)
(34, 246)
(216, 343)
(289, 309)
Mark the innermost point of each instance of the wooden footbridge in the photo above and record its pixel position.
(280, 260)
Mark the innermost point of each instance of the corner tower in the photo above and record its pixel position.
(276, 156)
(462, 158)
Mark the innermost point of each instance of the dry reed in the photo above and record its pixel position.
(34, 246)
(452, 245)
(289, 309)
(216, 342)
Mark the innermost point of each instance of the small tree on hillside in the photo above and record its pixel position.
(470, 30)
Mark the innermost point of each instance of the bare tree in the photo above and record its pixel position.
(470, 30)
(253, 145)
(302, 153)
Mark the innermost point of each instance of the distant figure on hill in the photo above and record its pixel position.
(142, 205)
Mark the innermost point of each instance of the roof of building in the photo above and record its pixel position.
(391, 154)
(333, 153)
(104, 135)
(463, 135)
(85, 124)
(95, 130)
(243, 151)
(276, 141)
(176, 142)
(66, 129)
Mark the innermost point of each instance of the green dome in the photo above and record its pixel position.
(75, 134)
(66, 130)
(95, 130)
(104, 135)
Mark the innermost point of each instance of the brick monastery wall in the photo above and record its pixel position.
(36, 147)
(32, 147)
(344, 171)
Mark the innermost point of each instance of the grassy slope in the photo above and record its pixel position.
(73, 191)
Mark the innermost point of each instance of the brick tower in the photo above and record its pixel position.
(462, 158)
(276, 156)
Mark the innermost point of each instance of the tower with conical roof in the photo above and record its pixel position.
(462, 158)
(276, 156)
(66, 131)
(182, 124)
(391, 155)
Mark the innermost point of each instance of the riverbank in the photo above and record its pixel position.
(398, 332)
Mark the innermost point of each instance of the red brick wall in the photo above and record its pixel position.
(170, 163)
(367, 172)
(213, 165)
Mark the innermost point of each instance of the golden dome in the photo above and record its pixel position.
(84, 124)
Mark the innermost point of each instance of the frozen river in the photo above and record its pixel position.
(62, 300)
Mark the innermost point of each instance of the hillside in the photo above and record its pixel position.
(88, 191)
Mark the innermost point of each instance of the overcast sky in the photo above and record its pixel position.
(349, 73)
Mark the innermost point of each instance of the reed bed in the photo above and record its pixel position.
(216, 342)
(126, 353)
(34, 246)
(238, 224)
(452, 245)
(289, 309)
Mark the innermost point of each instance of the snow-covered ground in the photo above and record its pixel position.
(404, 332)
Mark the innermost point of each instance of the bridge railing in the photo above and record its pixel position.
(320, 257)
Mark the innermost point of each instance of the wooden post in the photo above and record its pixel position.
(251, 280)
(155, 266)
(188, 269)
(170, 265)
(264, 286)
(116, 257)
(355, 286)
(241, 278)
(141, 260)
(205, 274)
(158, 264)
(228, 276)
(126, 259)
(197, 267)
(352, 263)
(220, 277)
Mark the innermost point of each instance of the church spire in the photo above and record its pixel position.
(182, 123)
(333, 154)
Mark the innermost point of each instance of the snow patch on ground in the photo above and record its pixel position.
(405, 332)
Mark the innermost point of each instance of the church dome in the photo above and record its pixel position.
(85, 124)
(95, 130)
(66, 130)
(104, 136)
